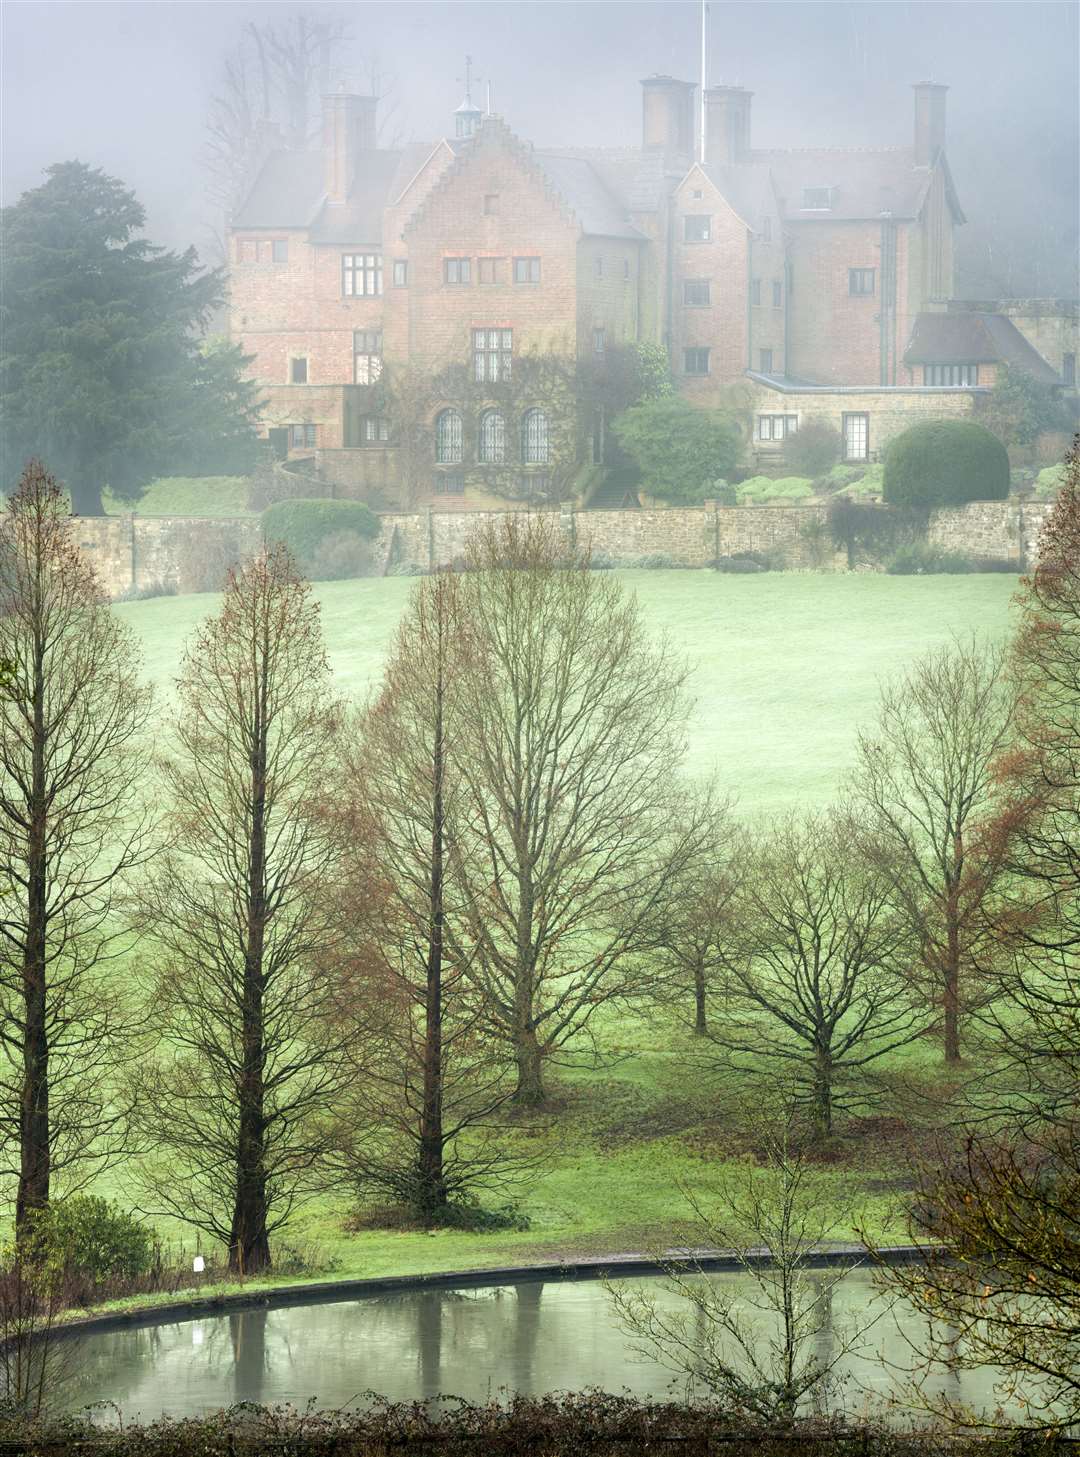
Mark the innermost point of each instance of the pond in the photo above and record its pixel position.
(533, 1337)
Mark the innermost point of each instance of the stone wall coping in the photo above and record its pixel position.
(784, 387)
(326, 1292)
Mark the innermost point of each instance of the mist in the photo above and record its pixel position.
(126, 87)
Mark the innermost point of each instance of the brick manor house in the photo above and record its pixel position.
(821, 279)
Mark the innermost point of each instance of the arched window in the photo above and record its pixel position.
(448, 438)
(492, 438)
(534, 438)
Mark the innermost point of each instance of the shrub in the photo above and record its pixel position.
(654, 561)
(945, 463)
(744, 561)
(841, 476)
(204, 558)
(766, 488)
(916, 558)
(1050, 481)
(813, 448)
(723, 493)
(90, 1237)
(677, 447)
(340, 555)
(1020, 407)
(303, 525)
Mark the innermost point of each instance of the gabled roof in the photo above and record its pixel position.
(360, 219)
(865, 182)
(289, 192)
(747, 186)
(579, 185)
(971, 338)
(639, 180)
(286, 194)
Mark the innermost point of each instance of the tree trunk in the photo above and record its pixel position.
(823, 1104)
(432, 1186)
(701, 1026)
(249, 1243)
(34, 1148)
(951, 968)
(529, 1092)
(86, 499)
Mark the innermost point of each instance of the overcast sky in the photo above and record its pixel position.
(125, 87)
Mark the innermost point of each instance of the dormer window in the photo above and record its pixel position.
(817, 199)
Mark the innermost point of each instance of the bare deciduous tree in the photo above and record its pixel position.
(576, 823)
(71, 719)
(765, 1349)
(243, 979)
(418, 1118)
(816, 982)
(268, 93)
(927, 784)
(694, 927)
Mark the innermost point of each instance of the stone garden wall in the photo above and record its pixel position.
(146, 556)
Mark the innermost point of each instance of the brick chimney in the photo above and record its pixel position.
(667, 115)
(929, 121)
(348, 129)
(727, 124)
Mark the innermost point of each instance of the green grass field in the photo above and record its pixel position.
(784, 669)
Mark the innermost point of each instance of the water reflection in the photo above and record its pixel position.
(534, 1337)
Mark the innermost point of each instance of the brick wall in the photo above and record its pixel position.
(835, 336)
(723, 260)
(890, 410)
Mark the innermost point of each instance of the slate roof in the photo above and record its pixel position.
(972, 338)
(287, 193)
(747, 186)
(866, 181)
(360, 220)
(578, 183)
(639, 180)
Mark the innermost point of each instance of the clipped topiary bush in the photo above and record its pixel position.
(945, 463)
(304, 526)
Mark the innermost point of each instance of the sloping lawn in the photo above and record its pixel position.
(187, 496)
(784, 669)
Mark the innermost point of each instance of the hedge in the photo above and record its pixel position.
(303, 525)
(945, 463)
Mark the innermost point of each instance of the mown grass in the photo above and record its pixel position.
(186, 496)
(783, 670)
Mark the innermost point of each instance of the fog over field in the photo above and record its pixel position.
(127, 87)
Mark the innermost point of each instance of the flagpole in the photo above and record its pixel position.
(704, 13)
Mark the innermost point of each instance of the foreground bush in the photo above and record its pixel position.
(322, 534)
(945, 463)
(89, 1237)
(556, 1426)
(679, 448)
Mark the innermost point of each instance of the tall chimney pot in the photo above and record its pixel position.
(929, 122)
(348, 129)
(727, 125)
(667, 115)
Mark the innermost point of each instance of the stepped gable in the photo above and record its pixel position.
(865, 182)
(974, 338)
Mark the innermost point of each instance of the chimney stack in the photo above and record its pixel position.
(348, 129)
(929, 122)
(727, 125)
(667, 115)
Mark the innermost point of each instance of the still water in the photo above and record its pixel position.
(534, 1338)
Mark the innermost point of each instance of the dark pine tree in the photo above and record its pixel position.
(102, 369)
